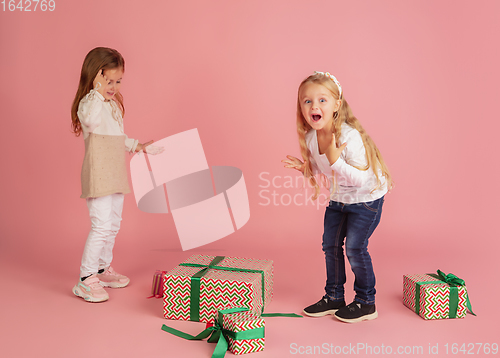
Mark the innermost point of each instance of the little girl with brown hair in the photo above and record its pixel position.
(97, 112)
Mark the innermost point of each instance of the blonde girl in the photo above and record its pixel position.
(335, 146)
(97, 113)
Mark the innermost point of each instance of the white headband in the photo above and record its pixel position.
(332, 77)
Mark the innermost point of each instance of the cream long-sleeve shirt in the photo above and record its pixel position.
(352, 185)
(99, 116)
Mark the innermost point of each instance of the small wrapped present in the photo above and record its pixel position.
(244, 330)
(434, 296)
(157, 286)
(202, 285)
(235, 329)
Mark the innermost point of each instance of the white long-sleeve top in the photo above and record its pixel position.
(352, 185)
(99, 116)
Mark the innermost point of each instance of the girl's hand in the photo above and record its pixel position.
(332, 152)
(294, 163)
(143, 146)
(154, 149)
(100, 82)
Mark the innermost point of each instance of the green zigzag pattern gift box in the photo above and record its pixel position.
(430, 297)
(235, 329)
(243, 322)
(200, 286)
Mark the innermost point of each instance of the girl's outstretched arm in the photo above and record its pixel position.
(143, 146)
(294, 163)
(150, 149)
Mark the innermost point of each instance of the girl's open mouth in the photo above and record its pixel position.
(316, 117)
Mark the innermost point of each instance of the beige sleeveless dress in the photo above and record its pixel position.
(104, 169)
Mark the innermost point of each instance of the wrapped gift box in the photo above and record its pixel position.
(244, 331)
(430, 297)
(234, 329)
(194, 291)
(157, 286)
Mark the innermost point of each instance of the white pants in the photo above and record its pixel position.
(105, 215)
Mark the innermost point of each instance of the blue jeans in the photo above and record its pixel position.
(355, 223)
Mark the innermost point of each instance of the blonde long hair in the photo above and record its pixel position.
(100, 58)
(343, 115)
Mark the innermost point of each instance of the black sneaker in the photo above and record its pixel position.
(356, 312)
(323, 307)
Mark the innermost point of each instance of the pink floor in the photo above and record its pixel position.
(44, 319)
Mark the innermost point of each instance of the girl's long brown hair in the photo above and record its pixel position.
(343, 115)
(100, 58)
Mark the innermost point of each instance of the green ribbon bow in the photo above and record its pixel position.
(454, 282)
(194, 308)
(219, 334)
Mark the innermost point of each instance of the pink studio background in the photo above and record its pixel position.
(421, 76)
